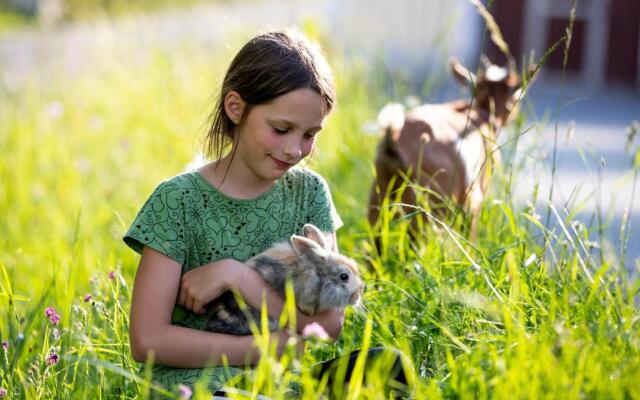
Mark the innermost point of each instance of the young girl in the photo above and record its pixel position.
(197, 228)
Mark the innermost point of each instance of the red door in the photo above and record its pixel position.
(556, 29)
(509, 15)
(622, 49)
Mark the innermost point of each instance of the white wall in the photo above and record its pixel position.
(415, 35)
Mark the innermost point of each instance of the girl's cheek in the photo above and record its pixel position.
(272, 140)
(307, 147)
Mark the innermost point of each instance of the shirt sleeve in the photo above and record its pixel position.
(322, 212)
(160, 224)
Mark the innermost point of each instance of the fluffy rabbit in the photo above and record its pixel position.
(322, 279)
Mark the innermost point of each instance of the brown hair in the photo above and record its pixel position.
(267, 66)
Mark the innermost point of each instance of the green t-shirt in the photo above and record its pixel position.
(190, 221)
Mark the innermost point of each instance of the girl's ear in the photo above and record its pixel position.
(234, 106)
(306, 247)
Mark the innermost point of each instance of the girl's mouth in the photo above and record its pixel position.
(281, 164)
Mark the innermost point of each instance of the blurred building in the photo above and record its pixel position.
(420, 34)
(48, 11)
(605, 46)
(412, 36)
(29, 7)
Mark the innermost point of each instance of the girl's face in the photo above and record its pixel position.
(275, 136)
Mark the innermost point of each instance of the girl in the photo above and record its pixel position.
(197, 228)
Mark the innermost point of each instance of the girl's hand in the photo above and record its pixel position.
(201, 285)
(330, 320)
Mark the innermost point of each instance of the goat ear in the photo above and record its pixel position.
(529, 75)
(516, 96)
(462, 75)
(312, 232)
(306, 247)
(391, 117)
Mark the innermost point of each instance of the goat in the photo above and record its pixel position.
(446, 149)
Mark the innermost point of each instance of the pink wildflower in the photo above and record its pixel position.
(3, 392)
(54, 319)
(185, 392)
(5, 346)
(314, 329)
(52, 358)
(53, 316)
(111, 275)
(87, 297)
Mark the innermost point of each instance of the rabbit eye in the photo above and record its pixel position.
(344, 276)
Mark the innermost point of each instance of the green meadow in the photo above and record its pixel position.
(524, 311)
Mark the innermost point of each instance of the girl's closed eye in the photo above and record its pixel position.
(281, 130)
(311, 134)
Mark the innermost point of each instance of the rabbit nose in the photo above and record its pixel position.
(355, 296)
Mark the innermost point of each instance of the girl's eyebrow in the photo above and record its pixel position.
(293, 124)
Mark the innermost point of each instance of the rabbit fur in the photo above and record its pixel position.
(322, 279)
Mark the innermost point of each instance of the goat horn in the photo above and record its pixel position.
(511, 64)
(486, 63)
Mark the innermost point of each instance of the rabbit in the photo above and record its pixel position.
(322, 279)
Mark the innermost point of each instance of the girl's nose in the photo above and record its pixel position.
(292, 149)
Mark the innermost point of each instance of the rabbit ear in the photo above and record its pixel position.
(312, 232)
(306, 247)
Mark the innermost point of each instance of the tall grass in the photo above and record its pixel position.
(523, 312)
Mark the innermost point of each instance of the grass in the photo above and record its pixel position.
(523, 312)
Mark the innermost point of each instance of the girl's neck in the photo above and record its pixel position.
(230, 178)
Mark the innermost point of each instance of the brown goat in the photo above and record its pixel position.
(445, 149)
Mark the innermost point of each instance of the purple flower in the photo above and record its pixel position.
(53, 316)
(52, 358)
(54, 319)
(111, 275)
(185, 392)
(87, 297)
(3, 392)
(5, 346)
(314, 329)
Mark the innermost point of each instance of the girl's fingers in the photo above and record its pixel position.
(182, 297)
(189, 303)
(198, 307)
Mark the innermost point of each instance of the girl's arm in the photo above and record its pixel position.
(203, 284)
(154, 296)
